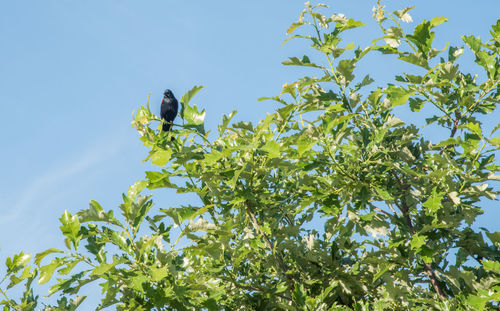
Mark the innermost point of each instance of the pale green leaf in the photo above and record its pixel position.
(186, 98)
(438, 20)
(295, 26)
(47, 271)
(272, 148)
(305, 143)
(474, 127)
(495, 141)
(433, 203)
(40, 256)
(417, 241)
(137, 188)
(398, 95)
(493, 266)
(70, 227)
(161, 157)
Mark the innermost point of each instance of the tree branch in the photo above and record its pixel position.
(278, 259)
(405, 210)
(454, 129)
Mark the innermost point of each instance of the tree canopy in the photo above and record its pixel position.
(331, 202)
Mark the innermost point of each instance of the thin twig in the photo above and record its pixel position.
(380, 210)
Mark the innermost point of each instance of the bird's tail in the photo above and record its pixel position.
(166, 127)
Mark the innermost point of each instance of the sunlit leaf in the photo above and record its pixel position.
(70, 228)
(272, 148)
(433, 203)
(161, 157)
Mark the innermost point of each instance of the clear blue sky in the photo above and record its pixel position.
(72, 73)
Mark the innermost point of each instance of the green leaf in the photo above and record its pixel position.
(186, 98)
(47, 271)
(119, 239)
(74, 303)
(433, 203)
(448, 142)
(26, 274)
(136, 188)
(158, 274)
(17, 262)
(494, 237)
(212, 157)
(477, 302)
(193, 116)
(398, 95)
(275, 98)
(299, 295)
(393, 37)
(297, 36)
(295, 26)
(495, 31)
(473, 43)
(495, 141)
(367, 80)
(247, 126)
(384, 194)
(474, 127)
(104, 267)
(139, 211)
(69, 266)
(70, 228)
(486, 60)
(284, 112)
(495, 129)
(403, 14)
(161, 157)
(454, 53)
(380, 272)
(417, 241)
(181, 214)
(305, 61)
(493, 266)
(349, 24)
(96, 213)
(418, 60)
(39, 257)
(349, 46)
(438, 20)
(305, 143)
(272, 148)
(225, 122)
(422, 37)
(416, 104)
(346, 67)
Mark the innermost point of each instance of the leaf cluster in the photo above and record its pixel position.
(331, 202)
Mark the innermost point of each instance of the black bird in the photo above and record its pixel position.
(169, 108)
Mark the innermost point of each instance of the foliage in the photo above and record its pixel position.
(329, 203)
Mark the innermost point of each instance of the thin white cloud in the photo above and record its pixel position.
(52, 182)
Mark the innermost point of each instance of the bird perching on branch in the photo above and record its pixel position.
(169, 108)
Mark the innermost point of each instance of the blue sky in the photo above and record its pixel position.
(72, 73)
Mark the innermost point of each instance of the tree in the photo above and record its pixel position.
(329, 203)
